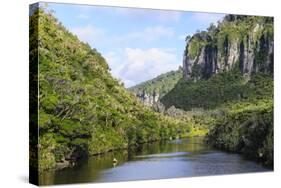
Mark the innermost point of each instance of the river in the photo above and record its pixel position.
(167, 159)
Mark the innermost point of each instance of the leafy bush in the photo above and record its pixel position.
(247, 129)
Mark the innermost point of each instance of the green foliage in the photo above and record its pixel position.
(241, 27)
(219, 89)
(234, 32)
(237, 111)
(47, 145)
(83, 110)
(196, 43)
(162, 84)
(247, 128)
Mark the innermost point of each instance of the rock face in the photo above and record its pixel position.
(244, 43)
(150, 91)
(147, 99)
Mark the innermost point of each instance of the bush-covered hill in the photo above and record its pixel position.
(228, 62)
(243, 43)
(83, 110)
(221, 88)
(238, 111)
(228, 77)
(161, 84)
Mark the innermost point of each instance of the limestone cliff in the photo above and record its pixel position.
(244, 43)
(148, 99)
(150, 91)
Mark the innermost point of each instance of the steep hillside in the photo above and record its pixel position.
(152, 90)
(220, 89)
(244, 43)
(227, 86)
(82, 109)
(228, 73)
(223, 64)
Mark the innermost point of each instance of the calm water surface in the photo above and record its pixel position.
(169, 159)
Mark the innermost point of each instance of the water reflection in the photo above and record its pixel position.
(169, 159)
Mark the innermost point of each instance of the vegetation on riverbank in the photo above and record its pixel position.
(228, 82)
(237, 111)
(83, 110)
(246, 128)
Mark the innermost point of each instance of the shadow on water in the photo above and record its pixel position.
(166, 159)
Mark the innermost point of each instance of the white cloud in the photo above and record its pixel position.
(115, 62)
(129, 83)
(138, 65)
(94, 35)
(88, 33)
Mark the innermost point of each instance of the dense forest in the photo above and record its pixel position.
(83, 110)
(224, 91)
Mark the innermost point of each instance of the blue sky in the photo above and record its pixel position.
(138, 44)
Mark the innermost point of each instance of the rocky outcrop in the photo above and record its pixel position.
(244, 43)
(148, 99)
(150, 91)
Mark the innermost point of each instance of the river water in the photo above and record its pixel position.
(167, 159)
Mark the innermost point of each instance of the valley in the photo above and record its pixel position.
(218, 103)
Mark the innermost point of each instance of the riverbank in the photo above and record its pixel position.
(177, 134)
(187, 157)
(246, 128)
